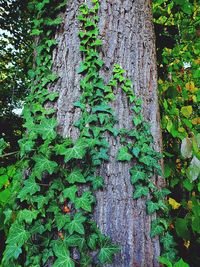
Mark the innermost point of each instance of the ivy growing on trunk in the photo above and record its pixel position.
(52, 216)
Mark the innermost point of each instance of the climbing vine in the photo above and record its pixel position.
(53, 191)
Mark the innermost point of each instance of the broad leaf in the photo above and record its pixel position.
(123, 154)
(85, 201)
(140, 191)
(61, 220)
(76, 225)
(76, 177)
(75, 241)
(70, 192)
(43, 164)
(152, 206)
(30, 187)
(77, 151)
(63, 257)
(181, 263)
(137, 175)
(17, 236)
(47, 128)
(27, 215)
(107, 251)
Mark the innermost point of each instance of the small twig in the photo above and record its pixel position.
(9, 154)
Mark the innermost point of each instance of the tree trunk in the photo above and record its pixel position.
(128, 39)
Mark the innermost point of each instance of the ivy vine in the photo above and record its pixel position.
(51, 220)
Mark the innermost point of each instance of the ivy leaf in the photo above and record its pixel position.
(83, 67)
(76, 225)
(156, 229)
(43, 164)
(152, 206)
(30, 187)
(102, 108)
(40, 200)
(27, 215)
(61, 220)
(123, 154)
(77, 151)
(75, 241)
(97, 182)
(136, 151)
(11, 251)
(167, 241)
(174, 204)
(147, 160)
(25, 146)
(17, 236)
(140, 191)
(70, 192)
(107, 251)
(60, 149)
(162, 193)
(46, 128)
(92, 241)
(84, 202)
(63, 257)
(76, 177)
(137, 175)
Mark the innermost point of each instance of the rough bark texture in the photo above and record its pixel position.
(128, 39)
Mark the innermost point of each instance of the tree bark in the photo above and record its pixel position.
(126, 29)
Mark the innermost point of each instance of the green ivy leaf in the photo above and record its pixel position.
(75, 241)
(85, 201)
(107, 251)
(137, 175)
(92, 241)
(140, 191)
(4, 195)
(11, 251)
(43, 164)
(123, 154)
(30, 187)
(47, 128)
(152, 206)
(136, 151)
(27, 215)
(70, 192)
(76, 225)
(77, 151)
(76, 177)
(97, 182)
(17, 236)
(156, 229)
(167, 242)
(61, 220)
(63, 257)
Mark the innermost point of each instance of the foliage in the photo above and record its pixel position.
(179, 102)
(47, 197)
